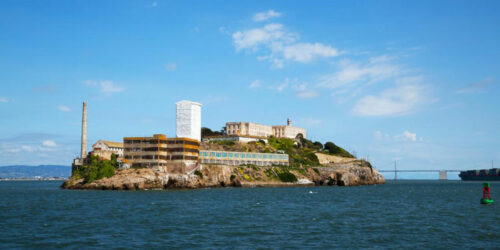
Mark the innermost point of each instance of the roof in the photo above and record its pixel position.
(187, 102)
(111, 144)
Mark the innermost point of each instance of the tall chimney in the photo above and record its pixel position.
(84, 131)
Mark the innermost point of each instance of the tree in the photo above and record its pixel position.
(336, 150)
(208, 132)
(318, 145)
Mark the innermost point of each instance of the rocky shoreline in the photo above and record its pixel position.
(352, 173)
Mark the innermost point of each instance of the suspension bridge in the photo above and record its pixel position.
(443, 174)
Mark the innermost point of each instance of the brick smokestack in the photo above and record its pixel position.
(84, 131)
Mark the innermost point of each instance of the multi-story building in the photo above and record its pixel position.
(104, 149)
(182, 154)
(259, 130)
(188, 123)
(248, 129)
(239, 158)
(150, 152)
(171, 154)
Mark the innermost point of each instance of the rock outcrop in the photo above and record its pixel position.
(352, 173)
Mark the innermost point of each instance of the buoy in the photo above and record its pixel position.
(486, 194)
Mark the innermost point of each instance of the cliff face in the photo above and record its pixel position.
(353, 173)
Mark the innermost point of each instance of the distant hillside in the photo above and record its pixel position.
(20, 171)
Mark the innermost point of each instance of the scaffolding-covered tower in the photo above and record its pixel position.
(188, 120)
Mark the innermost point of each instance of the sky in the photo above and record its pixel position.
(416, 82)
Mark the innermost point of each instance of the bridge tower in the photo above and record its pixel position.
(443, 175)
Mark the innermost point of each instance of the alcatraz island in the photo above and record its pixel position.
(242, 154)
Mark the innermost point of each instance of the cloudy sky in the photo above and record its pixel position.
(411, 81)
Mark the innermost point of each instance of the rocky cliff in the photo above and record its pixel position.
(352, 173)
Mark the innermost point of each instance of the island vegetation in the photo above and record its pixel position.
(96, 169)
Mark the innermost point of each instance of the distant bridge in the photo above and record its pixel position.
(443, 174)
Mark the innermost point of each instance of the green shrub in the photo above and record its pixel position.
(232, 177)
(336, 150)
(96, 169)
(287, 177)
(225, 143)
(316, 170)
(198, 173)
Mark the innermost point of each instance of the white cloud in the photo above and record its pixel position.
(282, 86)
(406, 136)
(351, 73)
(255, 84)
(63, 108)
(171, 66)
(272, 34)
(278, 46)
(306, 52)
(302, 91)
(28, 148)
(105, 86)
(3, 99)
(391, 102)
(307, 94)
(480, 87)
(90, 82)
(262, 16)
(110, 87)
(49, 143)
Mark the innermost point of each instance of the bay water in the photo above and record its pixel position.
(399, 214)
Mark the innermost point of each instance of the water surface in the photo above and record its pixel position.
(416, 214)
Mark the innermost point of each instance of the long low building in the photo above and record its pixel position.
(239, 158)
(250, 129)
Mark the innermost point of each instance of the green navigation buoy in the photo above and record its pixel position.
(486, 194)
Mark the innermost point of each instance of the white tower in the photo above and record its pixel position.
(189, 120)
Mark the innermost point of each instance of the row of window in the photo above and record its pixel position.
(150, 141)
(192, 150)
(157, 141)
(244, 155)
(184, 157)
(147, 157)
(146, 165)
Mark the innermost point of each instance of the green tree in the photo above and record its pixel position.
(336, 150)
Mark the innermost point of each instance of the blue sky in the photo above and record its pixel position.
(412, 81)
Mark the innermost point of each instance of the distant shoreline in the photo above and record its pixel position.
(34, 179)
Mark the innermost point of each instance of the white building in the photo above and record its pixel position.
(248, 129)
(259, 130)
(188, 120)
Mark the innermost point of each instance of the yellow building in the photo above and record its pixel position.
(175, 155)
(150, 152)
